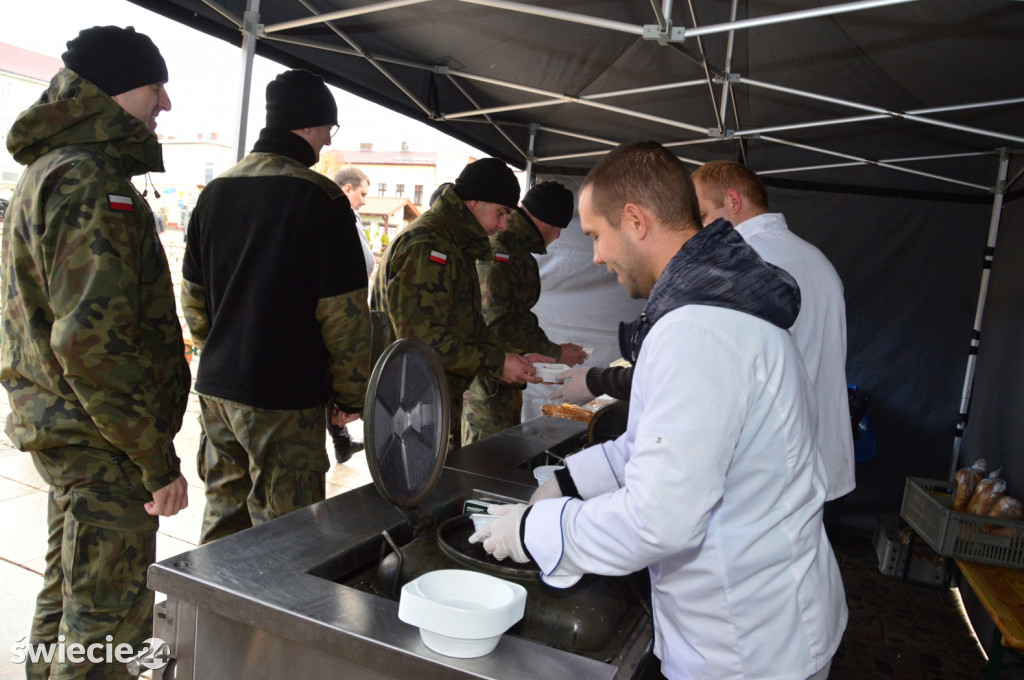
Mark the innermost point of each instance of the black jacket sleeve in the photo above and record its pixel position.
(615, 381)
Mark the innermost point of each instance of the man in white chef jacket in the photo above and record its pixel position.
(716, 486)
(733, 192)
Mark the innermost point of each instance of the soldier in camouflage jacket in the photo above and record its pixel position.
(427, 282)
(274, 292)
(510, 287)
(92, 356)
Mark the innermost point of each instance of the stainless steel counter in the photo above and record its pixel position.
(264, 603)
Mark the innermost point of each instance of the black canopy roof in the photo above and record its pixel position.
(879, 95)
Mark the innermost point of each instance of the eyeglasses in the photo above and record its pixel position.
(334, 130)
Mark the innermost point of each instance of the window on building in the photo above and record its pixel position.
(382, 189)
(417, 195)
(399, 190)
(209, 172)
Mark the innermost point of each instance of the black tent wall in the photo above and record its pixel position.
(911, 269)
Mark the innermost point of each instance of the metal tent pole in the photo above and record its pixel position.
(730, 44)
(250, 30)
(341, 14)
(369, 58)
(986, 272)
(530, 155)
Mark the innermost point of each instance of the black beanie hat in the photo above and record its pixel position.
(550, 202)
(115, 59)
(489, 180)
(299, 99)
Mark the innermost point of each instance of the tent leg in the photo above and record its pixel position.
(990, 249)
(530, 155)
(250, 24)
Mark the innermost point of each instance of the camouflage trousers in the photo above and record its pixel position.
(457, 385)
(258, 464)
(489, 406)
(101, 542)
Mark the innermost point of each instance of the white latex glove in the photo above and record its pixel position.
(575, 389)
(549, 489)
(501, 537)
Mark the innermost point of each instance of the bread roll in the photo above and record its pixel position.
(966, 480)
(1006, 507)
(986, 495)
(567, 411)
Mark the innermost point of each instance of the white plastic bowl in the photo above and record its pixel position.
(549, 372)
(461, 613)
(543, 473)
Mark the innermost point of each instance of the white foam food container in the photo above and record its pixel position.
(549, 372)
(543, 473)
(481, 519)
(461, 613)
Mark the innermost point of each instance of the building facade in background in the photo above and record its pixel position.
(189, 165)
(401, 183)
(23, 77)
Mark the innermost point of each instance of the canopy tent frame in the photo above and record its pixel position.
(986, 272)
(661, 32)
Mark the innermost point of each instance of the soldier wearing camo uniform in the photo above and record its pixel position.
(510, 287)
(93, 357)
(428, 287)
(274, 292)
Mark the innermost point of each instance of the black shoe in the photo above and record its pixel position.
(344, 447)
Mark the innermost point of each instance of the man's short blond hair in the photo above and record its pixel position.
(717, 177)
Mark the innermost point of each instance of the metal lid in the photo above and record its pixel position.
(406, 418)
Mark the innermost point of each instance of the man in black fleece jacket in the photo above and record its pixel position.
(274, 291)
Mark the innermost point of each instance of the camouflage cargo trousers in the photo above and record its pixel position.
(101, 542)
(489, 406)
(258, 464)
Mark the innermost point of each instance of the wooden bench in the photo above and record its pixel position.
(1001, 592)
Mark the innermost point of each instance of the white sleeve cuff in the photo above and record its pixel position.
(591, 472)
(543, 539)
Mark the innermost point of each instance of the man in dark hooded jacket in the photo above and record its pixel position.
(93, 358)
(716, 486)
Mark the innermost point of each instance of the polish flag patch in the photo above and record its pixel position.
(120, 203)
(439, 258)
(501, 257)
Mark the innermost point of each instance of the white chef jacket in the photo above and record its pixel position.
(367, 253)
(716, 487)
(820, 335)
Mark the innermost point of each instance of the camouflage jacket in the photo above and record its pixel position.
(510, 287)
(92, 351)
(274, 284)
(427, 285)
